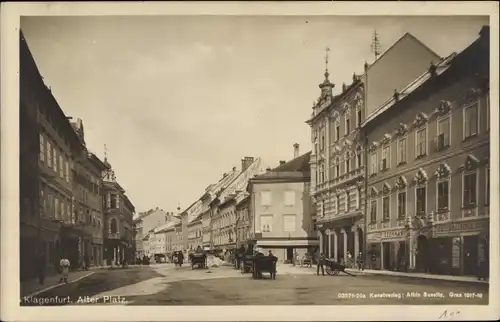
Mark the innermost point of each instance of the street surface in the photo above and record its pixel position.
(163, 284)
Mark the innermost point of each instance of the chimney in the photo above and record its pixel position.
(282, 162)
(246, 162)
(295, 150)
(234, 168)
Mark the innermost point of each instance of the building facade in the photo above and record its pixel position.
(195, 233)
(243, 226)
(138, 236)
(57, 144)
(338, 158)
(224, 215)
(87, 174)
(118, 220)
(280, 203)
(428, 177)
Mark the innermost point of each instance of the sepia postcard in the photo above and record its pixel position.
(253, 161)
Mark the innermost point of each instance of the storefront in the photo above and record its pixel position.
(460, 247)
(388, 250)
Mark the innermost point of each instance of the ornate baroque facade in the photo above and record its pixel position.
(337, 168)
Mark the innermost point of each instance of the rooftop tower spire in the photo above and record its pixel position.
(326, 86)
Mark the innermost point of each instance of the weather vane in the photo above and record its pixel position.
(326, 57)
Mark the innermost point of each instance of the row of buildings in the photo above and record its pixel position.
(400, 168)
(398, 172)
(70, 202)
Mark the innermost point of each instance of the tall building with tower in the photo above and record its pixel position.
(338, 160)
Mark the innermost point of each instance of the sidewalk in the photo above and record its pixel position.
(31, 287)
(469, 279)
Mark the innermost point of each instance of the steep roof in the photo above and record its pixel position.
(297, 168)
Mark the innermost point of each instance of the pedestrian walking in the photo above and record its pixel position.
(360, 262)
(270, 253)
(86, 262)
(41, 265)
(64, 264)
(320, 264)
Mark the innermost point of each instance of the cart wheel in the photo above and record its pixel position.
(336, 272)
(192, 266)
(274, 275)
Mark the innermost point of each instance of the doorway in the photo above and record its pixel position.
(386, 257)
(289, 255)
(471, 244)
(422, 254)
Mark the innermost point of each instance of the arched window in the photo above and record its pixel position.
(113, 226)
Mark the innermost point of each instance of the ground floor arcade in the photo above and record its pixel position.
(338, 239)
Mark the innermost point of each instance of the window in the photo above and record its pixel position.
(266, 223)
(347, 163)
(63, 210)
(337, 167)
(373, 163)
(373, 211)
(487, 189)
(66, 168)
(289, 223)
(56, 208)
(358, 197)
(68, 212)
(61, 166)
(265, 198)
(113, 227)
(443, 138)
(421, 199)
(42, 148)
(54, 158)
(111, 201)
(322, 147)
(347, 201)
(49, 154)
(337, 132)
(420, 148)
(290, 198)
(401, 147)
(402, 204)
(358, 118)
(42, 201)
(384, 163)
(322, 173)
(359, 160)
(347, 125)
(385, 208)
(470, 191)
(443, 195)
(470, 120)
(117, 201)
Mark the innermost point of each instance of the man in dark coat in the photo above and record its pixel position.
(320, 264)
(41, 265)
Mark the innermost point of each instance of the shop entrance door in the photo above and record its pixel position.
(422, 256)
(470, 255)
(386, 256)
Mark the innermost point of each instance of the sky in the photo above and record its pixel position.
(179, 100)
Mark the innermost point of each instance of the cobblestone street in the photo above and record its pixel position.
(165, 285)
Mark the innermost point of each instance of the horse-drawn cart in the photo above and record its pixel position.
(264, 264)
(199, 260)
(334, 268)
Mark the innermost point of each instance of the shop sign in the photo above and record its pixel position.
(394, 234)
(462, 226)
